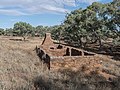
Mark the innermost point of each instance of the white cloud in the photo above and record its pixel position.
(88, 1)
(26, 7)
(11, 12)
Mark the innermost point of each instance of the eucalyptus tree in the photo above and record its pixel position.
(9, 31)
(55, 32)
(41, 30)
(22, 29)
(83, 26)
(113, 13)
(95, 23)
(2, 32)
(73, 24)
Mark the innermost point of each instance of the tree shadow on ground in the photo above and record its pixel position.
(106, 50)
(77, 81)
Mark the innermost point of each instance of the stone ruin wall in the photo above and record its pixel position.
(63, 56)
(75, 62)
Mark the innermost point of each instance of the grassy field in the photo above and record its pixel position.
(21, 69)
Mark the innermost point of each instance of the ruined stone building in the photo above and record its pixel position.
(59, 52)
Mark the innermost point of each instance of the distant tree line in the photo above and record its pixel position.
(97, 23)
(2, 31)
(25, 29)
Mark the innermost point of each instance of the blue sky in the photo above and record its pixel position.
(38, 12)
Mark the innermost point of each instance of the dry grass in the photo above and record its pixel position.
(21, 69)
(17, 63)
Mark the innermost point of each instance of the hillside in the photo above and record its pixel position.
(21, 69)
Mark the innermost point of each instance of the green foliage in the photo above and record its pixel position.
(2, 31)
(22, 28)
(56, 32)
(41, 30)
(116, 41)
(95, 23)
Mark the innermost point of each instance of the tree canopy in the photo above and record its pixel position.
(22, 28)
(94, 24)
